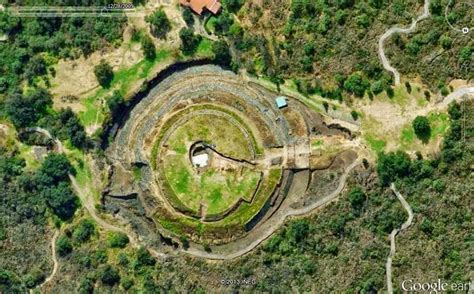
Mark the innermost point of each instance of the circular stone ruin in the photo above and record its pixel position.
(209, 156)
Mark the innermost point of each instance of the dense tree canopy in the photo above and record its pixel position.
(422, 127)
(160, 24)
(189, 41)
(104, 73)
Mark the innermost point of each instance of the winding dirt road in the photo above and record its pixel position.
(266, 234)
(388, 34)
(55, 261)
(406, 224)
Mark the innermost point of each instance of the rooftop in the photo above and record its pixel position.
(198, 5)
(200, 160)
(281, 101)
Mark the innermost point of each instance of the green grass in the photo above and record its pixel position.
(124, 78)
(377, 145)
(439, 123)
(408, 135)
(205, 48)
(123, 81)
(179, 148)
(211, 24)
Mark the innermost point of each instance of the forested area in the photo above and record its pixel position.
(331, 48)
(436, 51)
(29, 199)
(27, 60)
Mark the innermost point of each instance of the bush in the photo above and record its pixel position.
(149, 50)
(117, 240)
(84, 231)
(63, 246)
(392, 166)
(109, 275)
(357, 198)
(422, 128)
(222, 53)
(160, 24)
(144, 257)
(189, 41)
(354, 115)
(104, 73)
(188, 16)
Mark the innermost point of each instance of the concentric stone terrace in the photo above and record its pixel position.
(207, 153)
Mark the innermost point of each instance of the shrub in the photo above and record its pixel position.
(189, 41)
(83, 231)
(422, 128)
(104, 73)
(63, 246)
(188, 16)
(354, 115)
(149, 50)
(109, 275)
(144, 257)
(160, 24)
(357, 198)
(117, 240)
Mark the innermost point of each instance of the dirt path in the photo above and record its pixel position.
(276, 225)
(55, 262)
(406, 224)
(388, 34)
(87, 201)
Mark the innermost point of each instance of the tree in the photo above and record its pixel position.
(298, 231)
(117, 240)
(25, 111)
(144, 257)
(454, 110)
(104, 73)
(357, 198)
(109, 275)
(356, 84)
(392, 166)
(63, 246)
(422, 128)
(222, 53)
(188, 16)
(232, 5)
(149, 50)
(160, 24)
(189, 41)
(56, 168)
(84, 230)
(61, 199)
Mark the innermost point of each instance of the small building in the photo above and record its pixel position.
(200, 160)
(280, 102)
(198, 5)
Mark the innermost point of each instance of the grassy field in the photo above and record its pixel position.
(124, 81)
(439, 123)
(217, 189)
(228, 138)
